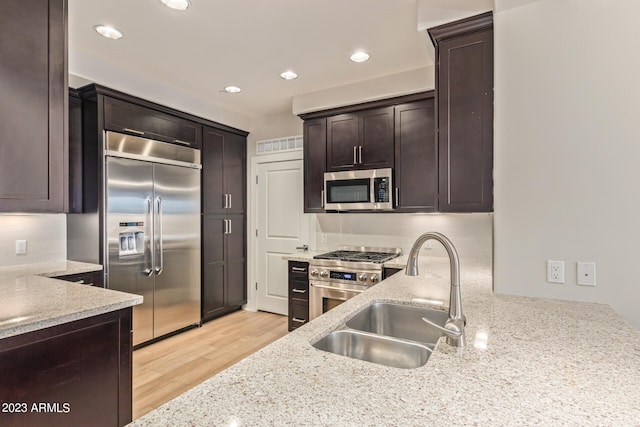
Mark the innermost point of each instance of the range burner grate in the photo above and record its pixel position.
(358, 256)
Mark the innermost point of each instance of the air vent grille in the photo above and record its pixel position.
(278, 145)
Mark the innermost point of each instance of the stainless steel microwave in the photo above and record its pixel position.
(359, 190)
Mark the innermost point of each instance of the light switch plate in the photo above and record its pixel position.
(21, 247)
(586, 273)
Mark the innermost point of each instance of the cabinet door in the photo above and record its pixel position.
(213, 171)
(33, 118)
(236, 294)
(416, 161)
(375, 147)
(342, 142)
(235, 149)
(465, 109)
(122, 116)
(213, 265)
(315, 156)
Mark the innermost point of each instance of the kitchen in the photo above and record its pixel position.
(552, 175)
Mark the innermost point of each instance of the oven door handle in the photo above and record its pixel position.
(333, 288)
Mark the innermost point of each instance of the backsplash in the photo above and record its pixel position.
(471, 234)
(45, 235)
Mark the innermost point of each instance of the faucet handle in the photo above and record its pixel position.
(452, 329)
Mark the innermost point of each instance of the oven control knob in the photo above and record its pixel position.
(362, 277)
(324, 274)
(314, 273)
(373, 278)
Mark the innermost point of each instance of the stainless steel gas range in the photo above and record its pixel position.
(336, 276)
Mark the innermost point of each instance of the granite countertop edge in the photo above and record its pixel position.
(33, 299)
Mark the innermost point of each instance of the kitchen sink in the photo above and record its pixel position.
(400, 321)
(374, 348)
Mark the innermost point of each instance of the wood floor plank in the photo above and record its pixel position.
(168, 368)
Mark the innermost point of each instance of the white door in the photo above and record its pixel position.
(282, 227)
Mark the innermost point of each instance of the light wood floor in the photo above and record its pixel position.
(168, 368)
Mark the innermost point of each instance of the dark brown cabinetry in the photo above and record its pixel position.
(91, 278)
(315, 161)
(81, 369)
(361, 140)
(464, 104)
(122, 116)
(298, 294)
(416, 167)
(223, 222)
(33, 110)
(388, 272)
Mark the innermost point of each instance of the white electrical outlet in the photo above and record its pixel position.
(21, 247)
(555, 271)
(587, 273)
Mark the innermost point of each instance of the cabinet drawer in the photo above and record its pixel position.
(298, 315)
(121, 116)
(92, 278)
(298, 269)
(298, 289)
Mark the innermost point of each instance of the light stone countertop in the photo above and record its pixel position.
(30, 299)
(528, 361)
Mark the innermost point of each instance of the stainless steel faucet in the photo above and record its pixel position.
(454, 326)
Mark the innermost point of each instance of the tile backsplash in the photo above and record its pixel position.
(45, 235)
(471, 234)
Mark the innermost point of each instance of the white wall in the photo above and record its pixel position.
(471, 234)
(403, 83)
(45, 236)
(567, 155)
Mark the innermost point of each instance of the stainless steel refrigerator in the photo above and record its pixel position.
(152, 230)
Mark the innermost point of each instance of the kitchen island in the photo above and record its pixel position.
(528, 361)
(65, 348)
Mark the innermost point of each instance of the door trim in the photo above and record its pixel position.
(252, 220)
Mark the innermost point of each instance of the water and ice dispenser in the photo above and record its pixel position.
(131, 242)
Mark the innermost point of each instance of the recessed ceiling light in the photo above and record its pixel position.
(176, 4)
(360, 56)
(232, 89)
(108, 31)
(289, 75)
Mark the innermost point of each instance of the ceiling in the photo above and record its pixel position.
(248, 43)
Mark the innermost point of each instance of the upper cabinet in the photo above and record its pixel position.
(464, 106)
(122, 116)
(360, 140)
(223, 172)
(315, 162)
(33, 111)
(416, 166)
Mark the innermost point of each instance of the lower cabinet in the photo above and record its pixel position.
(298, 294)
(388, 272)
(223, 264)
(92, 278)
(75, 374)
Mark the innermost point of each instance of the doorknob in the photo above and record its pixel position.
(303, 247)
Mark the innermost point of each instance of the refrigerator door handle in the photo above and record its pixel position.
(159, 236)
(149, 256)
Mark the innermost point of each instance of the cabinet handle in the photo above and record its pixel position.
(322, 199)
(355, 155)
(360, 153)
(139, 132)
(81, 282)
(230, 200)
(230, 229)
(295, 319)
(397, 197)
(226, 201)
(299, 291)
(225, 227)
(303, 269)
(181, 142)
